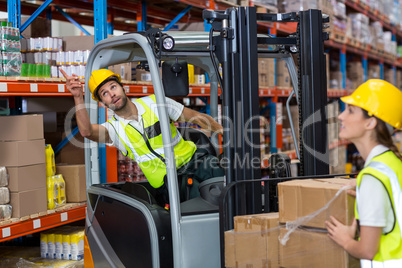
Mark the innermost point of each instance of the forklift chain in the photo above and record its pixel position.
(299, 77)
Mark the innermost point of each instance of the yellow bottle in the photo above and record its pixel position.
(51, 249)
(61, 187)
(67, 245)
(58, 242)
(50, 162)
(51, 192)
(43, 245)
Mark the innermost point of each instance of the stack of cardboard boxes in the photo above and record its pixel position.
(296, 236)
(22, 150)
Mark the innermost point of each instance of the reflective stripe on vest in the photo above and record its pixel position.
(378, 264)
(146, 157)
(395, 186)
(147, 148)
(390, 250)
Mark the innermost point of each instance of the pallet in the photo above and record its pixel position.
(261, 8)
(43, 213)
(229, 3)
(353, 42)
(337, 36)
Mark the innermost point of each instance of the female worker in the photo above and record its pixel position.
(372, 111)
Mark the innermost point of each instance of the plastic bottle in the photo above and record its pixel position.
(58, 242)
(67, 245)
(61, 189)
(43, 245)
(77, 245)
(51, 249)
(51, 192)
(50, 163)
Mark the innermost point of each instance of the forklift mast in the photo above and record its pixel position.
(237, 47)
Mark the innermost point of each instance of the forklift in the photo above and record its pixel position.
(125, 225)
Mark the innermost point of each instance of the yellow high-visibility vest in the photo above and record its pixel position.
(152, 162)
(387, 168)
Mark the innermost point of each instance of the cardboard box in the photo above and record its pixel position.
(39, 27)
(21, 127)
(230, 260)
(27, 177)
(266, 72)
(74, 176)
(22, 153)
(142, 75)
(299, 198)
(256, 240)
(84, 42)
(73, 153)
(312, 249)
(28, 202)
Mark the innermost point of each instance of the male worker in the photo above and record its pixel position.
(135, 130)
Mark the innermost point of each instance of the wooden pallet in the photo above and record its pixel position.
(353, 42)
(363, 46)
(261, 8)
(228, 2)
(337, 36)
(36, 215)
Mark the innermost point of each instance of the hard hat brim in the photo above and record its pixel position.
(349, 100)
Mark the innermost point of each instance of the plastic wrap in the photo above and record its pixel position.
(56, 191)
(4, 196)
(5, 212)
(262, 240)
(3, 177)
(11, 62)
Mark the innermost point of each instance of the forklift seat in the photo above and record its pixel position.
(200, 139)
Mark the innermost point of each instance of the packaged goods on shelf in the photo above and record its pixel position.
(9, 38)
(5, 212)
(4, 195)
(378, 34)
(282, 74)
(3, 177)
(389, 75)
(358, 28)
(373, 72)
(337, 160)
(11, 63)
(266, 72)
(44, 44)
(355, 72)
(296, 5)
(66, 242)
(128, 169)
(56, 191)
(299, 199)
(74, 177)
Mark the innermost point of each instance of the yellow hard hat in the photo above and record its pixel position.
(379, 98)
(97, 78)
